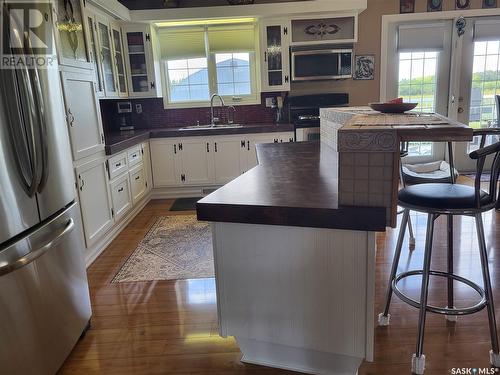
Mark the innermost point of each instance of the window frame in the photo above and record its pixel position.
(255, 84)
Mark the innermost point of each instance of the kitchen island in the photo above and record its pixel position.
(294, 243)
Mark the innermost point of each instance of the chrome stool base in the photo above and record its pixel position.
(494, 359)
(418, 364)
(441, 310)
(383, 320)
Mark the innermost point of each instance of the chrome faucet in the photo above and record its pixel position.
(214, 120)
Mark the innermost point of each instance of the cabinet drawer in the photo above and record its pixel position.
(121, 196)
(117, 165)
(134, 155)
(138, 183)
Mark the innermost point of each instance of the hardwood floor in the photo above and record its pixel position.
(170, 327)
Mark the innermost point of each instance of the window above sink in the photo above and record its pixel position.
(201, 60)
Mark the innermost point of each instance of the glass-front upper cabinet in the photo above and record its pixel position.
(119, 60)
(107, 58)
(275, 60)
(141, 64)
(70, 36)
(94, 51)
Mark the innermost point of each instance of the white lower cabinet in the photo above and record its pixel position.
(212, 160)
(121, 196)
(226, 155)
(165, 163)
(95, 199)
(196, 161)
(138, 183)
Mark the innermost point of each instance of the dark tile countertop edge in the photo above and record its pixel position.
(119, 141)
(295, 184)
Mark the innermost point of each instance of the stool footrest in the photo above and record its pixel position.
(441, 310)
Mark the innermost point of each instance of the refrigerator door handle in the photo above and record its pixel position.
(38, 252)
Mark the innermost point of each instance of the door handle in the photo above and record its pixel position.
(38, 252)
(71, 118)
(120, 190)
(208, 147)
(215, 146)
(248, 145)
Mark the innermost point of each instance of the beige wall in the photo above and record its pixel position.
(370, 23)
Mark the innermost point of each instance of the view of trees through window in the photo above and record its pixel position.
(418, 84)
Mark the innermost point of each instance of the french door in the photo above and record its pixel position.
(478, 55)
(421, 57)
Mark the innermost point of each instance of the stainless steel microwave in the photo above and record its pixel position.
(321, 64)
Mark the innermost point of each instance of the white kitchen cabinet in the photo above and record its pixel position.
(107, 57)
(72, 49)
(95, 199)
(165, 162)
(275, 61)
(248, 151)
(134, 155)
(226, 157)
(146, 157)
(117, 165)
(94, 50)
(138, 183)
(142, 64)
(119, 59)
(196, 161)
(82, 112)
(121, 196)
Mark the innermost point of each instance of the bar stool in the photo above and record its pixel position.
(448, 199)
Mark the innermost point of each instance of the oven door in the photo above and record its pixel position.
(321, 64)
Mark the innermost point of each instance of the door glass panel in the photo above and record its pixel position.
(274, 55)
(137, 60)
(485, 85)
(107, 65)
(93, 49)
(418, 84)
(70, 28)
(119, 61)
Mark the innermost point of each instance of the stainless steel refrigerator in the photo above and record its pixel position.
(44, 295)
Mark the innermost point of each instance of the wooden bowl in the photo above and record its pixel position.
(392, 107)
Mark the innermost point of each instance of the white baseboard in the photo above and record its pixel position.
(93, 252)
(182, 192)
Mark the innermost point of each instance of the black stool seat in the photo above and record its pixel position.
(441, 196)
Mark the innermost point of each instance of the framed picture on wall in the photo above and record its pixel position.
(462, 4)
(406, 6)
(364, 67)
(489, 3)
(434, 5)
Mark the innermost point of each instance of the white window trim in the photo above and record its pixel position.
(253, 99)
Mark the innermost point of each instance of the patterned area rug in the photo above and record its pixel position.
(176, 247)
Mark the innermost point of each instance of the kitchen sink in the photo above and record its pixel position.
(208, 127)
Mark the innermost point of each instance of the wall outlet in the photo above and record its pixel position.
(270, 102)
(138, 108)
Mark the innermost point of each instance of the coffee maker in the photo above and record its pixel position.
(125, 112)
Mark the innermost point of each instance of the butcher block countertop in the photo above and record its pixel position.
(295, 184)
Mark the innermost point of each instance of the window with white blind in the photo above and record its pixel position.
(204, 60)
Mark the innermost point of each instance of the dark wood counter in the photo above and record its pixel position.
(119, 141)
(295, 184)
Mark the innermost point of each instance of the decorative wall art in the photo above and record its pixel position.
(489, 3)
(462, 4)
(364, 68)
(434, 5)
(406, 6)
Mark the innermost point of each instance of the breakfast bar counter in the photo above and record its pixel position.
(294, 241)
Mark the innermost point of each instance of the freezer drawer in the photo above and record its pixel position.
(44, 303)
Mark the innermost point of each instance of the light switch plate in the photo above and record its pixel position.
(138, 108)
(270, 102)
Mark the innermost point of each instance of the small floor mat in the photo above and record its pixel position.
(185, 204)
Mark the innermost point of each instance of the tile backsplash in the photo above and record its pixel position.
(154, 115)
